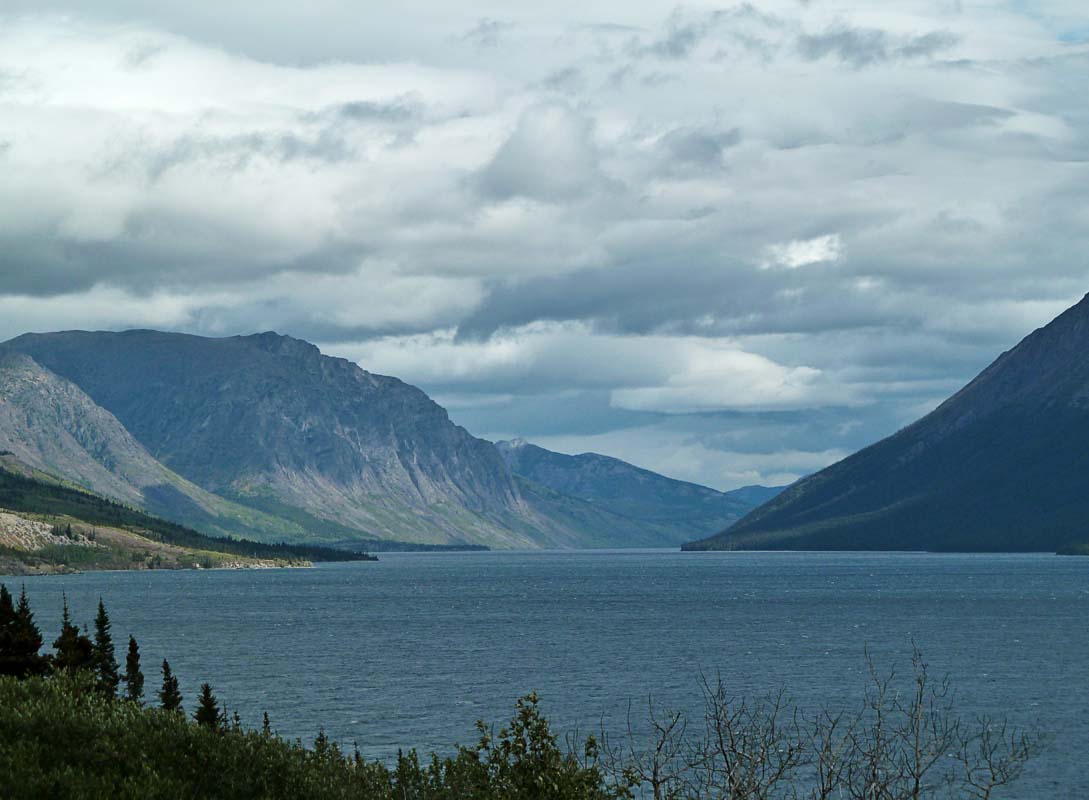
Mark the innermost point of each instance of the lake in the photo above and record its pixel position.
(410, 651)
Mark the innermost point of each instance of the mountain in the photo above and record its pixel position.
(311, 447)
(51, 426)
(1002, 465)
(753, 496)
(683, 509)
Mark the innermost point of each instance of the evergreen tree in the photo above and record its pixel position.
(74, 651)
(27, 642)
(8, 664)
(134, 678)
(208, 713)
(170, 694)
(7, 608)
(104, 658)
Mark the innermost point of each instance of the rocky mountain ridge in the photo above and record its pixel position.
(1002, 465)
(631, 491)
(265, 435)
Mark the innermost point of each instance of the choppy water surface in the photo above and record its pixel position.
(410, 651)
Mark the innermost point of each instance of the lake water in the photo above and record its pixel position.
(411, 650)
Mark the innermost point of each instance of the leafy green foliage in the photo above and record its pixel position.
(59, 738)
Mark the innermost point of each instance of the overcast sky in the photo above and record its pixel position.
(731, 243)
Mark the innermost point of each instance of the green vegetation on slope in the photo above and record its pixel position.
(29, 495)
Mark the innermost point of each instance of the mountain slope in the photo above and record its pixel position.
(271, 424)
(1003, 465)
(46, 526)
(682, 509)
(268, 421)
(49, 424)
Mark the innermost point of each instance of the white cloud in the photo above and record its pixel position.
(801, 253)
(713, 377)
(666, 374)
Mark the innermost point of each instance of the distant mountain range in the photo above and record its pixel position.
(631, 492)
(1003, 465)
(263, 436)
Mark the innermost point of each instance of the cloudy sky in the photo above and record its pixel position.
(732, 243)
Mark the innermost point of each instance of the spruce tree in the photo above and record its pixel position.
(170, 698)
(134, 678)
(104, 658)
(208, 713)
(74, 650)
(8, 665)
(27, 641)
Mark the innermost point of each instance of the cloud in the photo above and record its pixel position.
(714, 378)
(741, 26)
(550, 156)
(487, 32)
(863, 47)
(801, 253)
(699, 146)
(688, 457)
(662, 374)
(771, 230)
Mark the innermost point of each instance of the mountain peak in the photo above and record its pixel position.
(1000, 465)
(281, 344)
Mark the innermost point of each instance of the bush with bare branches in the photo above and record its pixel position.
(902, 742)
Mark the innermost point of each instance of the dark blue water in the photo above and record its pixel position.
(410, 651)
